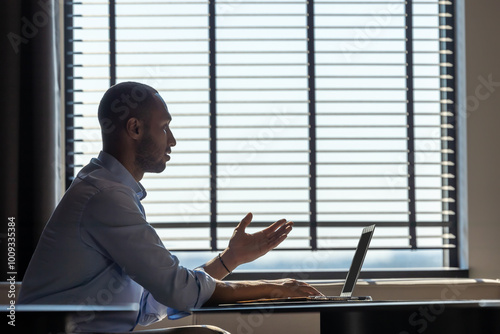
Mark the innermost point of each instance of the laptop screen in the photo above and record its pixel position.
(357, 261)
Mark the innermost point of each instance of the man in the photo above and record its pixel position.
(98, 249)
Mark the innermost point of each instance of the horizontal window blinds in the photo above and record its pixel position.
(333, 114)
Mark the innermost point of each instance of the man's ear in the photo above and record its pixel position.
(134, 128)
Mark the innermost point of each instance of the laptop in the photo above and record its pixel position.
(349, 284)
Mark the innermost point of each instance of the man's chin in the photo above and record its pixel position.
(158, 168)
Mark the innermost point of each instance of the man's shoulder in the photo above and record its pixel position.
(97, 180)
(95, 193)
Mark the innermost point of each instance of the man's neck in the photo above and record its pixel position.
(128, 161)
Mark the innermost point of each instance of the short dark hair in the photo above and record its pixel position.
(122, 102)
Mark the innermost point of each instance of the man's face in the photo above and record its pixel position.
(155, 145)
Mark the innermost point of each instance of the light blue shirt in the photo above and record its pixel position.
(98, 249)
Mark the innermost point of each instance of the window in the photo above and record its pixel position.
(332, 114)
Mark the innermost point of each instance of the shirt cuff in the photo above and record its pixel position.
(206, 288)
(151, 310)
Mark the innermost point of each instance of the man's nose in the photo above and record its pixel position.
(171, 140)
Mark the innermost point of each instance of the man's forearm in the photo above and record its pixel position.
(217, 269)
(233, 291)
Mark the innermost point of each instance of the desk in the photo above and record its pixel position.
(398, 317)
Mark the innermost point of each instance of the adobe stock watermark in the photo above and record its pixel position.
(105, 296)
(426, 315)
(30, 27)
(250, 323)
(483, 91)
(122, 106)
(253, 146)
(364, 37)
(11, 270)
(227, 7)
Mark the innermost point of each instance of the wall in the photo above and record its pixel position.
(483, 135)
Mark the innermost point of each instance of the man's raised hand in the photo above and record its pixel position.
(244, 247)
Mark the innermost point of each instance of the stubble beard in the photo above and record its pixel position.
(148, 156)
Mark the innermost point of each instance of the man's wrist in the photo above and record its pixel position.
(228, 260)
(223, 264)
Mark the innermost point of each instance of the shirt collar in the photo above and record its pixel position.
(109, 162)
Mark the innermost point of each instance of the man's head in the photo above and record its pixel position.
(134, 123)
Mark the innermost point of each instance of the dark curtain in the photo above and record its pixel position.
(31, 123)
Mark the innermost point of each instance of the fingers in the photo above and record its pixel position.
(283, 230)
(304, 289)
(285, 227)
(245, 221)
(274, 226)
(314, 292)
(295, 288)
(279, 236)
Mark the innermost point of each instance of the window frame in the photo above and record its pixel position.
(456, 258)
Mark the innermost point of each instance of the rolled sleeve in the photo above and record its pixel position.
(207, 288)
(153, 311)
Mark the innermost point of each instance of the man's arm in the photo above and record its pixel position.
(230, 292)
(114, 226)
(244, 247)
